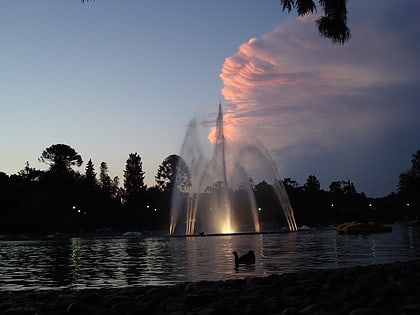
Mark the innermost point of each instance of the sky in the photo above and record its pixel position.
(110, 78)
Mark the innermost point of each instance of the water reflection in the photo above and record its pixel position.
(116, 262)
(75, 258)
(411, 242)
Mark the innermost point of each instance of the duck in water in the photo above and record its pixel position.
(247, 259)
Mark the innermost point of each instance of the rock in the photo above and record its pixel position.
(110, 302)
(362, 311)
(412, 308)
(275, 304)
(78, 308)
(310, 309)
(19, 311)
(91, 298)
(124, 307)
(291, 311)
(383, 289)
(195, 300)
(207, 311)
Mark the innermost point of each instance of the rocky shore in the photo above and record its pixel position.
(377, 289)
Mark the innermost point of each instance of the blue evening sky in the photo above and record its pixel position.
(112, 77)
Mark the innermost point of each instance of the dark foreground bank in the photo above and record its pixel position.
(378, 289)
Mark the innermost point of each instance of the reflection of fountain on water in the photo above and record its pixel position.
(207, 206)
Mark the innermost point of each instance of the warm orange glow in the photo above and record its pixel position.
(230, 128)
(226, 228)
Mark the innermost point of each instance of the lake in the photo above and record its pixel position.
(80, 263)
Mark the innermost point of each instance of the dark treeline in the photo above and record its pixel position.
(62, 199)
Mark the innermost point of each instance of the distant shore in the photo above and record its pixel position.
(392, 288)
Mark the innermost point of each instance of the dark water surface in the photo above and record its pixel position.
(80, 263)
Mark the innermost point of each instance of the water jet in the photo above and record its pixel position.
(208, 206)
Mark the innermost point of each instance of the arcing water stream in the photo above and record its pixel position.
(207, 206)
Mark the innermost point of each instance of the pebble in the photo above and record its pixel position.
(376, 289)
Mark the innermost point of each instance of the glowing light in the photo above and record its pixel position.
(227, 229)
(208, 200)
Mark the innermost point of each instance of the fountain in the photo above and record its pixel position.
(207, 205)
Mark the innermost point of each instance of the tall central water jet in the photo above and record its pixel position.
(207, 206)
(221, 203)
(215, 205)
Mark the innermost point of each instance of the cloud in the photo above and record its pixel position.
(302, 96)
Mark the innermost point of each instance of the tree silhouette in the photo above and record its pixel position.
(312, 184)
(104, 179)
(29, 173)
(270, 214)
(336, 187)
(134, 193)
(173, 173)
(61, 158)
(332, 25)
(116, 190)
(133, 176)
(290, 182)
(349, 188)
(409, 182)
(90, 174)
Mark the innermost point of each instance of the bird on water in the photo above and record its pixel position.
(247, 259)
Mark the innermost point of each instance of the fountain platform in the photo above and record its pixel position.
(232, 234)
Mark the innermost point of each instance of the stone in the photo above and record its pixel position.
(207, 311)
(124, 307)
(362, 311)
(291, 311)
(310, 309)
(19, 311)
(78, 308)
(275, 304)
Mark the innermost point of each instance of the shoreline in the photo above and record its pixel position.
(391, 288)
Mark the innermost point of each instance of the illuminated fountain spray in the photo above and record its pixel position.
(222, 203)
(206, 207)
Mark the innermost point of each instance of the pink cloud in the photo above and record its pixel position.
(299, 93)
